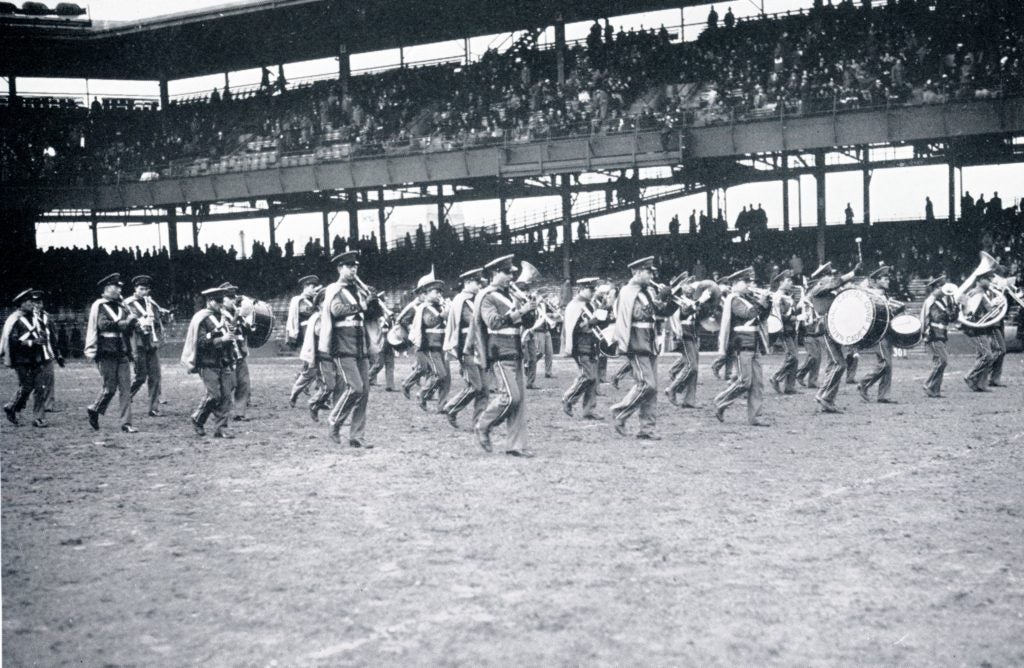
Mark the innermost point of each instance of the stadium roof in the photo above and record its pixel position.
(264, 32)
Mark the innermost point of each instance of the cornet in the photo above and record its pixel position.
(683, 302)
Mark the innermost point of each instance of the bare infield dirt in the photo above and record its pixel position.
(890, 534)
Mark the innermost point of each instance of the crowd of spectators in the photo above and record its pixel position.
(832, 57)
(271, 272)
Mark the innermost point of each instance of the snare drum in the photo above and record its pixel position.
(905, 331)
(607, 344)
(398, 337)
(857, 318)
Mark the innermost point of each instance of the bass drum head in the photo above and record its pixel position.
(857, 318)
(262, 319)
(774, 325)
(905, 331)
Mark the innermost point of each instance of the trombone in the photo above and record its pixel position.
(682, 301)
(365, 294)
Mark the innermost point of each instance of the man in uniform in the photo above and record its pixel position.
(146, 340)
(635, 313)
(348, 319)
(683, 328)
(458, 344)
(977, 302)
(580, 342)
(420, 366)
(52, 353)
(107, 340)
(501, 315)
(882, 373)
(311, 361)
(427, 335)
(813, 330)
(822, 294)
(784, 380)
(26, 348)
(211, 351)
(243, 385)
(300, 309)
(744, 335)
(998, 336)
(937, 313)
(547, 321)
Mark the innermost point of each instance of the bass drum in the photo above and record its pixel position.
(905, 331)
(857, 318)
(261, 321)
(398, 338)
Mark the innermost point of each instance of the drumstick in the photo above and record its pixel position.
(860, 258)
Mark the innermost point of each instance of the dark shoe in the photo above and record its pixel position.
(615, 383)
(54, 410)
(567, 408)
(223, 434)
(483, 439)
(549, 375)
(39, 422)
(671, 396)
(128, 429)
(452, 419)
(827, 407)
(646, 436)
(334, 433)
(758, 423)
(291, 401)
(803, 383)
(355, 443)
(406, 391)
(423, 404)
(863, 392)
(851, 381)
(971, 384)
(593, 416)
(720, 413)
(887, 401)
(198, 428)
(531, 387)
(94, 419)
(995, 384)
(811, 386)
(240, 418)
(154, 413)
(716, 372)
(390, 389)
(775, 385)
(12, 417)
(685, 405)
(620, 429)
(788, 392)
(314, 412)
(525, 454)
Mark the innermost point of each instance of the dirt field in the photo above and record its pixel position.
(887, 535)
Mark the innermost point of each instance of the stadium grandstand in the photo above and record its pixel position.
(614, 122)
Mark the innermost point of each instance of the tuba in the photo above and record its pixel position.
(969, 305)
(527, 274)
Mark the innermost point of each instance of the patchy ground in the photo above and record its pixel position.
(887, 535)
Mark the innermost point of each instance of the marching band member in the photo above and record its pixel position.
(603, 299)
(745, 336)
(683, 327)
(547, 321)
(420, 366)
(146, 341)
(385, 359)
(348, 322)
(882, 373)
(813, 329)
(784, 380)
(311, 360)
(107, 341)
(852, 362)
(979, 301)
(937, 313)
(635, 312)
(580, 343)
(998, 336)
(51, 353)
(458, 344)
(211, 350)
(300, 309)
(243, 383)
(27, 348)
(822, 293)
(427, 335)
(501, 314)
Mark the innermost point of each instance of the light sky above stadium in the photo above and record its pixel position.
(896, 193)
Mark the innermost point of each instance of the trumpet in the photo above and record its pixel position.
(365, 293)
(683, 302)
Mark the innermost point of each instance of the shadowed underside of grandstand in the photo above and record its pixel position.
(654, 150)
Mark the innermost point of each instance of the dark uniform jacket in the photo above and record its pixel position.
(500, 336)
(114, 325)
(348, 318)
(140, 340)
(747, 324)
(213, 350)
(26, 341)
